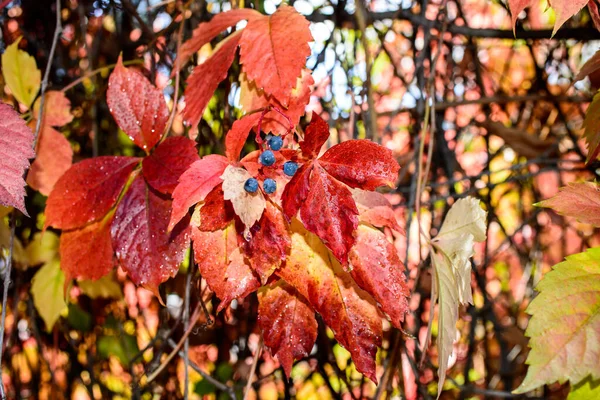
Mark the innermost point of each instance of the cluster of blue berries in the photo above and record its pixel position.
(267, 158)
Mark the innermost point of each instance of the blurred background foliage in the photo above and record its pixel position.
(505, 126)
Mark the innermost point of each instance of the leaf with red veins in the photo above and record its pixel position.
(349, 311)
(87, 191)
(57, 108)
(377, 269)
(169, 160)
(296, 191)
(361, 164)
(238, 134)
(270, 243)
(273, 51)
(329, 212)
(207, 31)
(315, 136)
(16, 148)
(138, 106)
(222, 265)
(215, 212)
(195, 183)
(253, 98)
(248, 207)
(578, 200)
(145, 249)
(87, 252)
(287, 323)
(54, 157)
(205, 78)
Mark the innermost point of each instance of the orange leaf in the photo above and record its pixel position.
(577, 200)
(57, 109)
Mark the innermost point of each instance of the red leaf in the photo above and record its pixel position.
(87, 252)
(317, 133)
(375, 209)
(329, 212)
(349, 311)
(138, 107)
(206, 78)
(361, 163)
(207, 31)
(144, 248)
(54, 157)
(87, 191)
(273, 51)
(287, 323)
(296, 191)
(377, 269)
(516, 7)
(238, 134)
(215, 213)
(591, 65)
(195, 183)
(169, 160)
(16, 148)
(593, 10)
(253, 98)
(270, 243)
(577, 200)
(57, 108)
(222, 265)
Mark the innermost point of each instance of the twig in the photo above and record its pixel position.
(253, 368)
(97, 71)
(57, 33)
(218, 384)
(186, 325)
(6, 281)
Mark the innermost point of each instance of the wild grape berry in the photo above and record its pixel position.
(269, 186)
(267, 158)
(251, 185)
(275, 142)
(290, 168)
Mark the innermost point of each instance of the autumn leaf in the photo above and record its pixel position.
(143, 246)
(516, 7)
(349, 311)
(253, 98)
(215, 212)
(317, 133)
(270, 242)
(565, 9)
(564, 324)
(105, 287)
(87, 252)
(273, 51)
(21, 74)
(87, 191)
(585, 390)
(377, 269)
(137, 106)
(168, 162)
(594, 14)
(238, 134)
(42, 249)
(248, 207)
(287, 323)
(577, 200)
(54, 157)
(590, 66)
(452, 249)
(591, 124)
(206, 77)
(16, 148)
(195, 183)
(374, 209)
(207, 31)
(223, 265)
(47, 289)
(57, 108)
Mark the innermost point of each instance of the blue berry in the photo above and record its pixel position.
(267, 158)
(275, 142)
(290, 168)
(251, 185)
(270, 186)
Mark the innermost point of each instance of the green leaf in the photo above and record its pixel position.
(585, 390)
(47, 289)
(21, 74)
(79, 319)
(105, 287)
(565, 324)
(123, 347)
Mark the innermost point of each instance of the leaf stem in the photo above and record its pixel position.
(97, 71)
(253, 368)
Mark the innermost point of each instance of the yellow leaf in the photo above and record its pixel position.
(105, 287)
(43, 248)
(47, 289)
(19, 255)
(21, 74)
